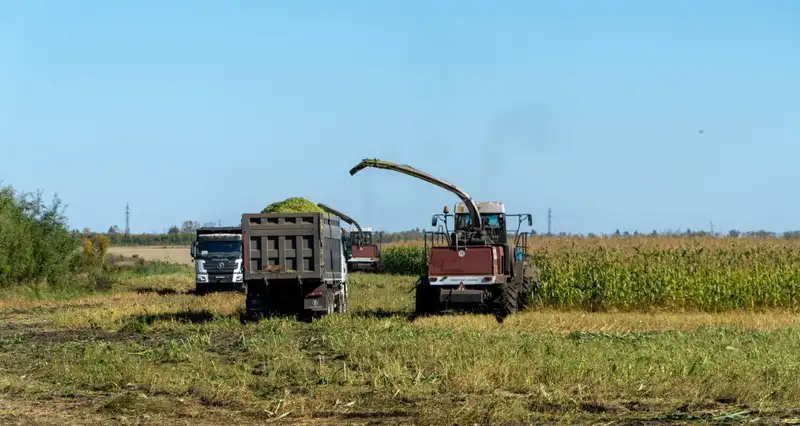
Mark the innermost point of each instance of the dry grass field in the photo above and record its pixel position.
(150, 352)
(160, 253)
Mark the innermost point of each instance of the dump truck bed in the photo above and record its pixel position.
(292, 246)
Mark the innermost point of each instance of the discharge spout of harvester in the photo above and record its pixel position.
(419, 174)
(343, 216)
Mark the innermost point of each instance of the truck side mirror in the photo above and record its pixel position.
(530, 220)
(193, 250)
(434, 221)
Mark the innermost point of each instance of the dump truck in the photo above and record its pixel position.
(475, 265)
(217, 255)
(294, 264)
(361, 252)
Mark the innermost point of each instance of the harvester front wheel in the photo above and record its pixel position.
(424, 302)
(506, 300)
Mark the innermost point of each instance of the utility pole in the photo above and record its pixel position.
(127, 220)
(711, 226)
(549, 221)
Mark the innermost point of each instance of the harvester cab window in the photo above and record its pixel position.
(489, 220)
(364, 238)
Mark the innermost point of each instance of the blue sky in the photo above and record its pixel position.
(204, 110)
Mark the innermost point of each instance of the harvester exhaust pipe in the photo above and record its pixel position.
(344, 217)
(475, 215)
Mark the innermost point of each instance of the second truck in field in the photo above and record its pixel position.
(217, 254)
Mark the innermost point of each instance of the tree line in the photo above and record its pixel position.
(184, 235)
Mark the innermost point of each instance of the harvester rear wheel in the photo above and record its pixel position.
(530, 282)
(506, 300)
(524, 294)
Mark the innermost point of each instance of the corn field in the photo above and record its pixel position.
(645, 273)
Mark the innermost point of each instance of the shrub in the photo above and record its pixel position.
(88, 251)
(35, 244)
(95, 253)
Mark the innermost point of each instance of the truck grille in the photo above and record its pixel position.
(220, 265)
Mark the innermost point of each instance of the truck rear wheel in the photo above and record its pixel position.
(506, 300)
(330, 301)
(341, 300)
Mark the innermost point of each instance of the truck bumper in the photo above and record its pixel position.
(316, 304)
(220, 278)
(362, 265)
(220, 281)
(465, 296)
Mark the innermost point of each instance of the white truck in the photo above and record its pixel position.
(217, 254)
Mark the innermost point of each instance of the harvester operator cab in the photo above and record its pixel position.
(493, 216)
(363, 238)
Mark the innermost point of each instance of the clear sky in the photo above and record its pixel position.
(204, 110)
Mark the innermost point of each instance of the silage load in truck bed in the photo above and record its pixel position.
(293, 205)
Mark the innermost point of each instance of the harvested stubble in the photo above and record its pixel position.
(293, 205)
(642, 273)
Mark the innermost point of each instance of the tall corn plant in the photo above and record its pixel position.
(404, 260)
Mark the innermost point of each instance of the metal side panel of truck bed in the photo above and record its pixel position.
(288, 246)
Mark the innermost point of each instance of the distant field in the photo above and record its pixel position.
(165, 253)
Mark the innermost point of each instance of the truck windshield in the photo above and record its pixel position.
(208, 248)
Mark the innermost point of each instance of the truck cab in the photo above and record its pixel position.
(217, 254)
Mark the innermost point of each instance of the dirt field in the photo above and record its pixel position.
(169, 254)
